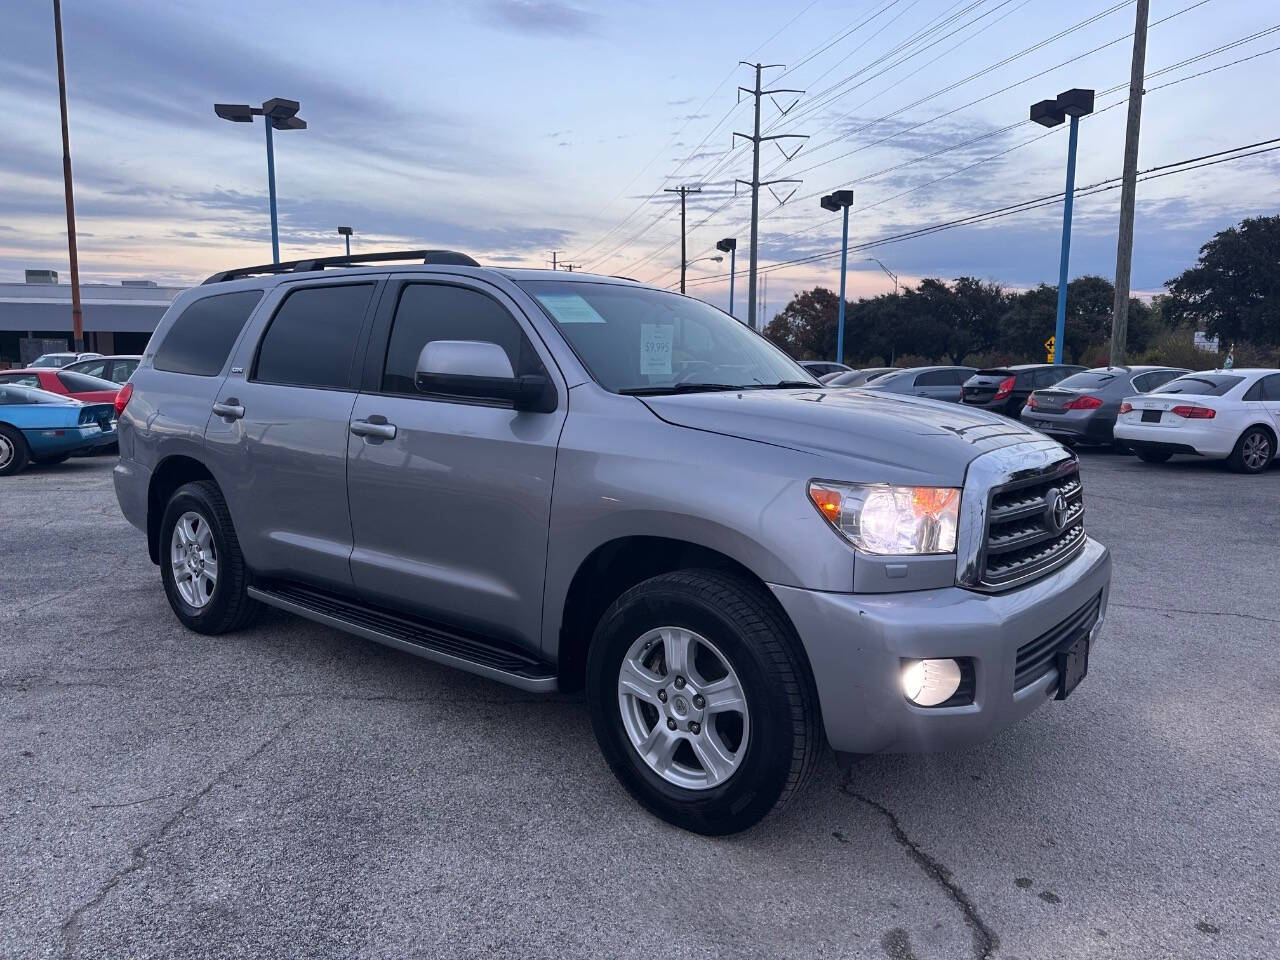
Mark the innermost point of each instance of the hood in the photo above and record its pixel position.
(877, 429)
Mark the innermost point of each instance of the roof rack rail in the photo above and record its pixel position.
(449, 257)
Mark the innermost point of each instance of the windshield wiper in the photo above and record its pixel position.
(680, 388)
(786, 385)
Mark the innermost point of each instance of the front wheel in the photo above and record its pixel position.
(1253, 452)
(14, 452)
(702, 701)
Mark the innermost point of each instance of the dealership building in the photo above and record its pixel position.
(35, 316)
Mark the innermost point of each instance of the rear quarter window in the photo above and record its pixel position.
(82, 383)
(201, 338)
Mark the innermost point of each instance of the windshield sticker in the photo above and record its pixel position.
(655, 348)
(570, 308)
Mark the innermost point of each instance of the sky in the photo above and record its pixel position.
(511, 128)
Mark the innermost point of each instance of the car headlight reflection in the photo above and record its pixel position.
(890, 520)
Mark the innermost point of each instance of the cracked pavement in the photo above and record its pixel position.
(293, 792)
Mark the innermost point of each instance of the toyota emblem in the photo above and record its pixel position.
(1056, 515)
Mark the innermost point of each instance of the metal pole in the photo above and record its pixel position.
(348, 239)
(77, 317)
(844, 263)
(733, 266)
(683, 263)
(271, 190)
(1128, 189)
(1060, 330)
(755, 208)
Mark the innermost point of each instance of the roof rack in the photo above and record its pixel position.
(449, 257)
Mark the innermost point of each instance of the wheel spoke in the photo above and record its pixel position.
(211, 571)
(715, 758)
(659, 747)
(675, 645)
(724, 696)
(637, 681)
(188, 530)
(204, 537)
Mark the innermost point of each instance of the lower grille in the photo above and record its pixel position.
(1033, 525)
(1035, 658)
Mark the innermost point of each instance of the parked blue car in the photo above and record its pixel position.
(41, 427)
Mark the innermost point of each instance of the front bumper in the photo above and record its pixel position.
(856, 644)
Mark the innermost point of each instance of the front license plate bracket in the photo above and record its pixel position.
(1073, 666)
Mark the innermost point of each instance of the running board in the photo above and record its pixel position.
(497, 661)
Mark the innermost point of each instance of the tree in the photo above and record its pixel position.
(806, 328)
(1233, 291)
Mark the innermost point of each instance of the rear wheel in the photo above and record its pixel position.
(204, 573)
(1254, 451)
(702, 701)
(1154, 456)
(14, 453)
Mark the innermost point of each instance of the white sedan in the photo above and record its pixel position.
(1219, 414)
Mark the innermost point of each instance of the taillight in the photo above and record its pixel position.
(1195, 413)
(122, 398)
(1031, 401)
(1083, 403)
(1126, 407)
(1005, 388)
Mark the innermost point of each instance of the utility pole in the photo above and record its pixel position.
(755, 183)
(554, 265)
(77, 317)
(1129, 188)
(684, 257)
(570, 266)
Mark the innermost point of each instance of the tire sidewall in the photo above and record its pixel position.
(191, 498)
(21, 453)
(1237, 458)
(756, 785)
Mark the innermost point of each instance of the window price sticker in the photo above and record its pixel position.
(655, 348)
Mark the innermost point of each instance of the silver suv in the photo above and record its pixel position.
(563, 481)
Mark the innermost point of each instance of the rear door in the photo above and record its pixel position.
(935, 384)
(450, 514)
(278, 436)
(1271, 397)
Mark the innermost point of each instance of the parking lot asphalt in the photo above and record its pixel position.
(290, 791)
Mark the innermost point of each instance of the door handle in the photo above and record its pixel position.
(375, 426)
(231, 410)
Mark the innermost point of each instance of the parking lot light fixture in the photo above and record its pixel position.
(837, 200)
(346, 232)
(729, 245)
(279, 114)
(1074, 103)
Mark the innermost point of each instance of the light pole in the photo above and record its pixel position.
(280, 114)
(892, 276)
(690, 263)
(1074, 103)
(345, 233)
(729, 245)
(840, 199)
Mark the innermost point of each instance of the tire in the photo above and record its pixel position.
(731, 623)
(50, 461)
(1154, 456)
(209, 607)
(1253, 452)
(14, 452)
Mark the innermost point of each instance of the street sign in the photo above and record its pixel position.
(1049, 345)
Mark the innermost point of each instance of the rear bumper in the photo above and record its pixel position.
(1083, 425)
(856, 644)
(56, 441)
(132, 481)
(1184, 438)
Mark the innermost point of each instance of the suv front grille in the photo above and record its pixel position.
(1025, 535)
(1036, 657)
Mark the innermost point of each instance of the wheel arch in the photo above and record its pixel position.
(614, 567)
(168, 476)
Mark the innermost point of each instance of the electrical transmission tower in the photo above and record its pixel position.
(755, 183)
(684, 257)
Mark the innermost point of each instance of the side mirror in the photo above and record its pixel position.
(480, 371)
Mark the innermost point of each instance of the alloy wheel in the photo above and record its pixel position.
(683, 708)
(194, 559)
(1256, 451)
(6, 451)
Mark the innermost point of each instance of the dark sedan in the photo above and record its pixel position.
(1084, 406)
(937, 383)
(1005, 389)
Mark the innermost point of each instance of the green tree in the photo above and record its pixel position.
(1233, 291)
(806, 327)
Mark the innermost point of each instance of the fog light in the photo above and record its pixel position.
(930, 682)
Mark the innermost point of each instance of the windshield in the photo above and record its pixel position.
(1089, 380)
(639, 340)
(1200, 385)
(53, 360)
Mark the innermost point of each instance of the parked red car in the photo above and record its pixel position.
(78, 386)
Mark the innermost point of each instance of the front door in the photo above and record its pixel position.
(449, 515)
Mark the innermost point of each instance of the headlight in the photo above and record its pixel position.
(894, 521)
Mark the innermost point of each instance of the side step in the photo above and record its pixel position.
(503, 662)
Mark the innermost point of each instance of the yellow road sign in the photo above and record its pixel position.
(1048, 346)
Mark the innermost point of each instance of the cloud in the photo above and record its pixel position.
(543, 16)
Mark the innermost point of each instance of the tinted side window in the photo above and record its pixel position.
(312, 339)
(958, 377)
(429, 311)
(1268, 387)
(92, 368)
(1144, 382)
(200, 339)
(122, 370)
(934, 378)
(21, 379)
